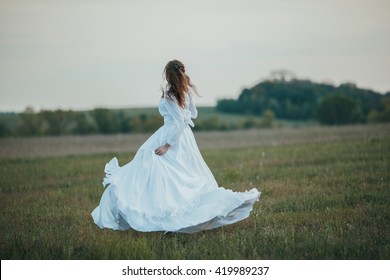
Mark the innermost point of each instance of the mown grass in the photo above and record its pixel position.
(319, 201)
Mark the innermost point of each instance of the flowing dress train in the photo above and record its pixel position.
(175, 192)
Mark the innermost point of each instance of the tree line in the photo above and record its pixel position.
(67, 122)
(277, 98)
(296, 99)
(107, 121)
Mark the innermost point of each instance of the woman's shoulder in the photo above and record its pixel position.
(169, 100)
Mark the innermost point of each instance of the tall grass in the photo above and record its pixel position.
(319, 201)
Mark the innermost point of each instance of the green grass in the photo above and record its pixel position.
(319, 201)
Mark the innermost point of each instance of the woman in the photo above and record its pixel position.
(168, 186)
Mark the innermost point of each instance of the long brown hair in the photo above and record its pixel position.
(178, 81)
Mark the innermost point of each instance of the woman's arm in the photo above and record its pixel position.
(176, 127)
(178, 124)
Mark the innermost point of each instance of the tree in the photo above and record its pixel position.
(227, 105)
(282, 75)
(338, 109)
(31, 125)
(291, 98)
(57, 122)
(83, 124)
(106, 121)
(4, 130)
(376, 116)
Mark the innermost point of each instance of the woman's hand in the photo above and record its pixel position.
(162, 149)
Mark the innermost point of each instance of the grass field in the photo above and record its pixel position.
(325, 195)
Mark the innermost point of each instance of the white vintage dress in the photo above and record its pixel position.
(175, 192)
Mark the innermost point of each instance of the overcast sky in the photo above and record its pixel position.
(82, 54)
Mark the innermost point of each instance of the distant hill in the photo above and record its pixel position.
(300, 99)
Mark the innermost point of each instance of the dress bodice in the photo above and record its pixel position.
(177, 118)
(173, 113)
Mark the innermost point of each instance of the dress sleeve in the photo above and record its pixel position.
(193, 110)
(178, 121)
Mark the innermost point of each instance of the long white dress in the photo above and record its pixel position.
(175, 192)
